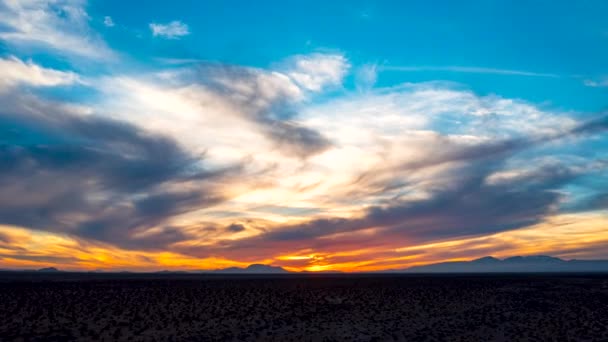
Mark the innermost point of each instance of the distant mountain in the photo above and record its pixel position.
(253, 269)
(48, 270)
(171, 272)
(516, 264)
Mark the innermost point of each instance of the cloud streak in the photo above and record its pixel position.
(466, 69)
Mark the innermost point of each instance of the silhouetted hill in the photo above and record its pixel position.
(535, 263)
(171, 272)
(48, 269)
(253, 269)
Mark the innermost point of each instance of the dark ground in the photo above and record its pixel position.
(303, 308)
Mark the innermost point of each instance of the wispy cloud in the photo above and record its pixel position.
(14, 71)
(172, 30)
(108, 21)
(366, 76)
(266, 99)
(465, 69)
(60, 26)
(179, 61)
(316, 71)
(596, 83)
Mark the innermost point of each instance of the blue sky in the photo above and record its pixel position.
(562, 43)
(382, 126)
(564, 39)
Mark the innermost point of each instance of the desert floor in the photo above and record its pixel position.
(131, 307)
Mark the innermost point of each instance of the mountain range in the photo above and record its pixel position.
(488, 264)
(516, 264)
(252, 269)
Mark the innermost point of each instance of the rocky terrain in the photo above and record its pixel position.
(303, 308)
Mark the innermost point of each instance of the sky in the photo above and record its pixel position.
(319, 135)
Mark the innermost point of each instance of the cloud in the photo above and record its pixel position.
(108, 22)
(172, 30)
(214, 160)
(294, 138)
(595, 125)
(235, 228)
(384, 141)
(366, 76)
(388, 148)
(474, 193)
(5, 239)
(61, 26)
(41, 258)
(465, 69)
(267, 100)
(14, 72)
(317, 71)
(597, 83)
(432, 106)
(96, 178)
(468, 205)
(590, 202)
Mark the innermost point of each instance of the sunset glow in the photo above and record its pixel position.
(147, 142)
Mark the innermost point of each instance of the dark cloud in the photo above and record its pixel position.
(294, 138)
(4, 238)
(96, 178)
(471, 206)
(235, 228)
(472, 203)
(591, 250)
(597, 201)
(267, 100)
(445, 150)
(41, 258)
(596, 125)
(448, 151)
(477, 206)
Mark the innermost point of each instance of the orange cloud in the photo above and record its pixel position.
(567, 236)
